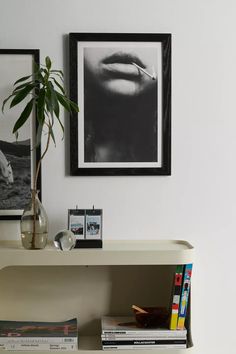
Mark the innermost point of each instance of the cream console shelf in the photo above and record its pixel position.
(36, 285)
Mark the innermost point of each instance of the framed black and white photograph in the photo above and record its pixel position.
(122, 84)
(17, 156)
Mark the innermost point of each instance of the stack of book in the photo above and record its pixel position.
(26, 335)
(123, 333)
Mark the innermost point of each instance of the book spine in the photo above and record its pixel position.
(105, 337)
(184, 296)
(127, 347)
(144, 342)
(176, 296)
(39, 340)
(39, 346)
(141, 333)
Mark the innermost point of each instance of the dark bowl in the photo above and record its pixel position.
(155, 317)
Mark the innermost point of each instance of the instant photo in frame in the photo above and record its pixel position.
(76, 223)
(86, 224)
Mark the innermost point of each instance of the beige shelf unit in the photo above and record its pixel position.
(50, 285)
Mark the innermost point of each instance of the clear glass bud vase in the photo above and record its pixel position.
(34, 224)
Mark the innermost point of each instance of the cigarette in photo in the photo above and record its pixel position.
(152, 76)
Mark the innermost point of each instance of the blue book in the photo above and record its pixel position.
(184, 295)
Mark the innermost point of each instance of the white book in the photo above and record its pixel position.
(38, 340)
(111, 336)
(159, 342)
(39, 346)
(131, 347)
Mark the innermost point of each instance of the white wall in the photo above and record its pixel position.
(198, 201)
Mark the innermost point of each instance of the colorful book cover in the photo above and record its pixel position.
(176, 296)
(184, 295)
(25, 329)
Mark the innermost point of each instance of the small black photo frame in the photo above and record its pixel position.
(86, 224)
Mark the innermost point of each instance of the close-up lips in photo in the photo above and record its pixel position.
(121, 65)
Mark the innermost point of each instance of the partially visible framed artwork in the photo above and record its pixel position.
(18, 157)
(122, 84)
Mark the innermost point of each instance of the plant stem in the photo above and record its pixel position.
(34, 192)
(40, 160)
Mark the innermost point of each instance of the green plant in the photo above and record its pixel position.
(45, 88)
(45, 93)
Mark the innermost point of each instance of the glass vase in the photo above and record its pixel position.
(34, 224)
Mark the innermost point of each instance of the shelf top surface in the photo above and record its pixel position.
(114, 245)
(148, 245)
(113, 253)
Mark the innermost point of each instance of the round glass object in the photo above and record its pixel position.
(65, 240)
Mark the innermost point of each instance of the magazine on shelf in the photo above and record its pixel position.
(39, 333)
(182, 335)
(138, 347)
(146, 342)
(39, 346)
(117, 327)
(184, 295)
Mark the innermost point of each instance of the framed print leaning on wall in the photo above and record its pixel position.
(17, 156)
(122, 84)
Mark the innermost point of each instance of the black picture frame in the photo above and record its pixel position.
(23, 155)
(84, 139)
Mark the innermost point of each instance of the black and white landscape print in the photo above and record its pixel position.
(16, 156)
(15, 193)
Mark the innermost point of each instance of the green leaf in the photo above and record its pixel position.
(5, 101)
(39, 77)
(41, 106)
(61, 77)
(22, 79)
(48, 63)
(54, 100)
(62, 127)
(49, 105)
(23, 85)
(24, 116)
(58, 85)
(58, 71)
(63, 101)
(52, 134)
(21, 95)
(74, 106)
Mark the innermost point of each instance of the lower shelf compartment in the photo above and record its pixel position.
(92, 345)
